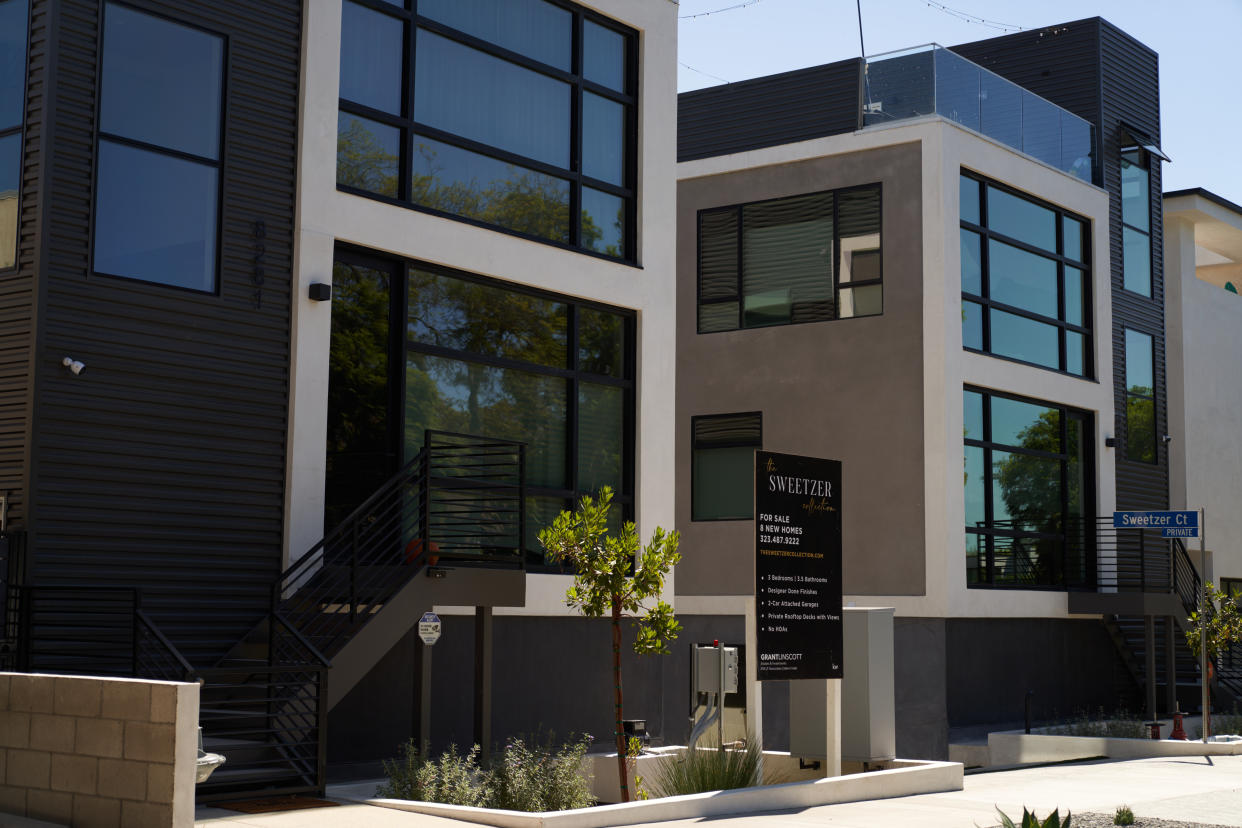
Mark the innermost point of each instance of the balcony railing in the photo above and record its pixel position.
(931, 80)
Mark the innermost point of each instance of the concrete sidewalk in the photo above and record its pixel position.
(1192, 789)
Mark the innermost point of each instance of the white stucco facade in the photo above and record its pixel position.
(327, 216)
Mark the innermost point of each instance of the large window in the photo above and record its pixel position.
(1136, 220)
(722, 477)
(518, 114)
(1026, 279)
(1029, 486)
(1140, 397)
(157, 184)
(808, 258)
(12, 105)
(474, 356)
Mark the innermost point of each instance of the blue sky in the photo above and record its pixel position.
(1199, 43)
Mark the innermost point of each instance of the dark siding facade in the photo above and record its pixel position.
(1100, 73)
(162, 465)
(766, 112)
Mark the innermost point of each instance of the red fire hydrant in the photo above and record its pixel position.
(1179, 732)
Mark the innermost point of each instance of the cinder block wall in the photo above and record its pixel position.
(87, 752)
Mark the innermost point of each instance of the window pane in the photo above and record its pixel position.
(724, 483)
(718, 317)
(1072, 232)
(1017, 423)
(601, 342)
(530, 27)
(368, 154)
(1136, 261)
(449, 178)
(787, 260)
(968, 190)
(972, 415)
(162, 82)
(1022, 220)
(1135, 191)
(1027, 491)
(540, 512)
(972, 326)
(862, 301)
(1140, 429)
(1075, 281)
(1022, 279)
(603, 139)
(718, 254)
(1140, 375)
(155, 217)
(1075, 353)
(972, 262)
(1024, 339)
(858, 212)
(728, 430)
(974, 559)
(860, 265)
(372, 44)
(503, 403)
(603, 222)
(10, 179)
(976, 485)
(12, 63)
(603, 56)
(601, 419)
(489, 100)
(482, 319)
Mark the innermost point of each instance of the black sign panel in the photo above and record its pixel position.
(798, 566)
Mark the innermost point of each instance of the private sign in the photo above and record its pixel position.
(1176, 524)
(429, 628)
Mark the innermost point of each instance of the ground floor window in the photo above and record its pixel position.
(418, 347)
(1029, 483)
(722, 476)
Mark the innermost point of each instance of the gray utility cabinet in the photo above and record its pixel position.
(868, 729)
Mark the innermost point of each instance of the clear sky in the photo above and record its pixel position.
(1199, 43)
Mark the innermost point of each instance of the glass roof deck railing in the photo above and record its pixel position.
(930, 79)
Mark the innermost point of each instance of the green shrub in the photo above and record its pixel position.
(1224, 724)
(709, 768)
(452, 779)
(1119, 725)
(540, 777)
(1124, 816)
(1029, 820)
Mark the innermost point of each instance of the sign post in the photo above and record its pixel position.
(798, 630)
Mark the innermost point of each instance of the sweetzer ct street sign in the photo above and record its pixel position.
(429, 628)
(1176, 524)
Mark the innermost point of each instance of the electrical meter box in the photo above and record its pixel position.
(705, 669)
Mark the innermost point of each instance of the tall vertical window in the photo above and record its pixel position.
(1029, 488)
(806, 258)
(1140, 397)
(157, 186)
(1136, 220)
(517, 114)
(722, 476)
(13, 25)
(1026, 279)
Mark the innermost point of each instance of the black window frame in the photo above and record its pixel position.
(401, 346)
(1143, 162)
(989, 531)
(19, 129)
(1232, 587)
(408, 127)
(218, 164)
(739, 241)
(1126, 330)
(986, 303)
(695, 447)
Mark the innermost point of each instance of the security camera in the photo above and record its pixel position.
(73, 365)
(1168, 438)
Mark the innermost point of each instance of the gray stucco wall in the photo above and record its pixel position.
(850, 390)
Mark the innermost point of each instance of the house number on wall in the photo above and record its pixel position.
(256, 278)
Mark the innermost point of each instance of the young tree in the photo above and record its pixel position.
(616, 577)
(1224, 623)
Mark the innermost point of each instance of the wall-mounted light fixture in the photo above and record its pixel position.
(73, 365)
(319, 292)
(1168, 438)
(1111, 442)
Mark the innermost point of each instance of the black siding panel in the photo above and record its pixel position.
(162, 466)
(766, 112)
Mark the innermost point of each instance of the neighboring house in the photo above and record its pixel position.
(1203, 274)
(946, 274)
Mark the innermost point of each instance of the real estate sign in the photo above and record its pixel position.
(797, 566)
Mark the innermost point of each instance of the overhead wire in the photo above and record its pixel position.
(718, 11)
(701, 72)
(967, 17)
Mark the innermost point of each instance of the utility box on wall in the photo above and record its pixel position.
(868, 727)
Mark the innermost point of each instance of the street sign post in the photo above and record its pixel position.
(429, 628)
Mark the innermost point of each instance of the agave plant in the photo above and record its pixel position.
(1029, 820)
